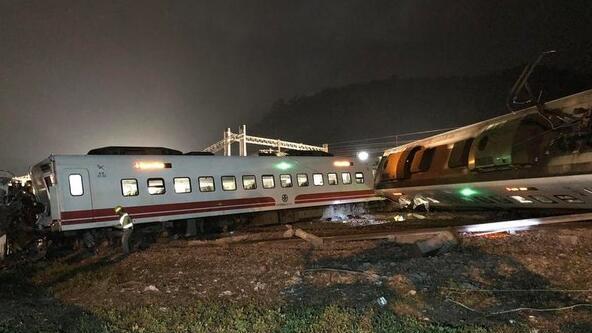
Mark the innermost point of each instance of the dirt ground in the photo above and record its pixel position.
(543, 269)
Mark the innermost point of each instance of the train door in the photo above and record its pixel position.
(76, 193)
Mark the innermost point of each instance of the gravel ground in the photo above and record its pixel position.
(486, 274)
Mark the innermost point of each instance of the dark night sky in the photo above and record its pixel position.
(75, 75)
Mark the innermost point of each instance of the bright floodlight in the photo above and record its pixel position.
(363, 155)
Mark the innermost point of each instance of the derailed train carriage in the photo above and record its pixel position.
(80, 191)
(539, 157)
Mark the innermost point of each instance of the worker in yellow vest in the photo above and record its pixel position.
(127, 226)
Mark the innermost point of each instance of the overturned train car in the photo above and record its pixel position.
(80, 191)
(539, 157)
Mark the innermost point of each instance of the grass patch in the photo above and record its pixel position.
(229, 318)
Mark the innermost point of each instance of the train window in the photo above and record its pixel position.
(229, 183)
(48, 181)
(568, 198)
(332, 178)
(182, 185)
(426, 160)
(346, 178)
(129, 187)
(156, 186)
(542, 198)
(521, 199)
(268, 181)
(76, 188)
(206, 184)
(302, 179)
(286, 180)
(249, 182)
(459, 156)
(317, 179)
(359, 178)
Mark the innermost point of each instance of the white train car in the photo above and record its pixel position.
(527, 159)
(80, 191)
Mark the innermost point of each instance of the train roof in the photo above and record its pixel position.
(185, 158)
(567, 104)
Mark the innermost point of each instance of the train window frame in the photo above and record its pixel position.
(199, 179)
(254, 178)
(329, 178)
(149, 186)
(343, 179)
(268, 177)
(137, 187)
(305, 182)
(175, 185)
(289, 176)
(541, 198)
(426, 159)
(79, 177)
(233, 178)
(359, 180)
(314, 179)
(573, 199)
(459, 154)
(48, 181)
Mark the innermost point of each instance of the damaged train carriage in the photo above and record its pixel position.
(80, 191)
(539, 157)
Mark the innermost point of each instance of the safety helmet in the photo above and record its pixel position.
(118, 209)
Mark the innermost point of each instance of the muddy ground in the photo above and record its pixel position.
(464, 288)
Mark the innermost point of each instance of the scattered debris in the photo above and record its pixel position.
(440, 243)
(419, 201)
(225, 293)
(151, 288)
(259, 286)
(316, 241)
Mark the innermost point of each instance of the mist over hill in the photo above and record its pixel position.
(401, 105)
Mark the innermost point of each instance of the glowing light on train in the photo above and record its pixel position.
(342, 163)
(149, 165)
(283, 165)
(467, 192)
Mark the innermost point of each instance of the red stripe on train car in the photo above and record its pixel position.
(100, 215)
(315, 197)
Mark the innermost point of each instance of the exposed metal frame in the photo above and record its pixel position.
(242, 138)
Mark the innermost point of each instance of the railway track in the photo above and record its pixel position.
(410, 234)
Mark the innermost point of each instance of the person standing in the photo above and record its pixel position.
(127, 226)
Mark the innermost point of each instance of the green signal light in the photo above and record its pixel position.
(467, 192)
(283, 166)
